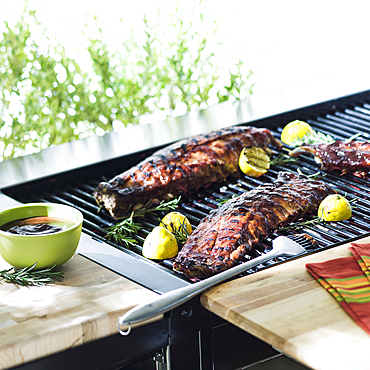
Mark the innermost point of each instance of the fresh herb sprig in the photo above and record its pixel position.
(353, 137)
(282, 159)
(314, 176)
(314, 137)
(122, 232)
(316, 220)
(151, 207)
(179, 232)
(181, 236)
(224, 200)
(30, 277)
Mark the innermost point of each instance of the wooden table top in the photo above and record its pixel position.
(285, 307)
(39, 321)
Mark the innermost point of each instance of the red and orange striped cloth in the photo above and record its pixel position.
(348, 280)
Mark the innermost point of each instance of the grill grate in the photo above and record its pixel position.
(339, 123)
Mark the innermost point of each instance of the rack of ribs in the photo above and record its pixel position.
(181, 168)
(353, 156)
(225, 236)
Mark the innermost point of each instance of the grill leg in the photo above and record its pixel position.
(184, 349)
(183, 355)
(161, 360)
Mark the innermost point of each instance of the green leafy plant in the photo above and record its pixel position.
(43, 93)
(47, 98)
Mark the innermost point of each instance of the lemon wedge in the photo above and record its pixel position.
(160, 244)
(254, 161)
(335, 207)
(295, 130)
(176, 222)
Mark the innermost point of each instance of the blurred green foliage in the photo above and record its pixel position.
(47, 99)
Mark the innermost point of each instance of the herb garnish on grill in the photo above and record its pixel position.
(122, 231)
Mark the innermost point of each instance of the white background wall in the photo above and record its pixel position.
(285, 42)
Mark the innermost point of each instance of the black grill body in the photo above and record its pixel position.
(340, 118)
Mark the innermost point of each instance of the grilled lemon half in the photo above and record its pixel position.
(160, 244)
(176, 222)
(335, 207)
(254, 161)
(295, 130)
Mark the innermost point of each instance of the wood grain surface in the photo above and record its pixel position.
(287, 308)
(38, 321)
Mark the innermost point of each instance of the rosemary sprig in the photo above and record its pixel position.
(151, 207)
(315, 176)
(179, 232)
(353, 202)
(224, 200)
(315, 137)
(29, 277)
(353, 137)
(306, 223)
(122, 232)
(282, 159)
(181, 236)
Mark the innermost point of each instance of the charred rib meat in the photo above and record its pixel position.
(353, 156)
(181, 168)
(225, 236)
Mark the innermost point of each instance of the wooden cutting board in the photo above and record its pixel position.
(287, 308)
(39, 321)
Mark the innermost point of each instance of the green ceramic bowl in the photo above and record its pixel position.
(48, 249)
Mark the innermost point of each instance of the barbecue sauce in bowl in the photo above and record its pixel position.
(36, 226)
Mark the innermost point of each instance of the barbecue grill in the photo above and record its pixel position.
(189, 326)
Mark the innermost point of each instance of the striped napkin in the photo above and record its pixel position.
(348, 280)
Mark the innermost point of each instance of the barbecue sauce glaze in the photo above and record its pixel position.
(36, 226)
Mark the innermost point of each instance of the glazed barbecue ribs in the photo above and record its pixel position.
(225, 236)
(181, 168)
(353, 156)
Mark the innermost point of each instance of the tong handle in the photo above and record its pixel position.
(175, 298)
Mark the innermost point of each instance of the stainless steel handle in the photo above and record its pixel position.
(175, 298)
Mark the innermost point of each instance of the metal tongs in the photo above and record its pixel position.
(281, 246)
